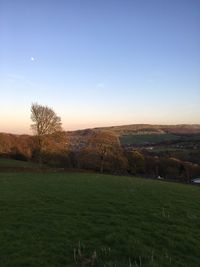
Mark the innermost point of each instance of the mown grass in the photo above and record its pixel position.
(140, 139)
(43, 216)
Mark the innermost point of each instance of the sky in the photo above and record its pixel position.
(100, 62)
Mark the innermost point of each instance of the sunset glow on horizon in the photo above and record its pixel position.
(100, 63)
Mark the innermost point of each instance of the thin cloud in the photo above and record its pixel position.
(14, 77)
(100, 85)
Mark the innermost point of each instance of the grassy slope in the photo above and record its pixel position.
(12, 163)
(43, 216)
(147, 138)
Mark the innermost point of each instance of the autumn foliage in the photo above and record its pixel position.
(95, 150)
(103, 153)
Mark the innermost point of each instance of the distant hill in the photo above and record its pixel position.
(12, 143)
(153, 129)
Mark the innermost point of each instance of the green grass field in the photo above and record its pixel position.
(141, 139)
(12, 163)
(128, 221)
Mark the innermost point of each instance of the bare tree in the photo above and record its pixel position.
(45, 122)
(104, 143)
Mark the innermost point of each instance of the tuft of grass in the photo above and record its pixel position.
(144, 223)
(103, 257)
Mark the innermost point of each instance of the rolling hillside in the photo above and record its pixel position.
(46, 217)
(18, 145)
(153, 129)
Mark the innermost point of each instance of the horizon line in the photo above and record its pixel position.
(112, 126)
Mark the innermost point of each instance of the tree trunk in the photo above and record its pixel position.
(102, 165)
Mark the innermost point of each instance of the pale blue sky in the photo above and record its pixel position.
(100, 62)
